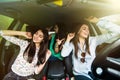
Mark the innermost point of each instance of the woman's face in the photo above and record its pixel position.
(84, 31)
(38, 36)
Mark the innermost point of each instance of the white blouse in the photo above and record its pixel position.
(80, 68)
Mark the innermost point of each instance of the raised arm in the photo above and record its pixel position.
(105, 24)
(58, 45)
(17, 33)
(9, 36)
(113, 29)
(67, 47)
(92, 19)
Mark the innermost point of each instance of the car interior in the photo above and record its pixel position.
(30, 15)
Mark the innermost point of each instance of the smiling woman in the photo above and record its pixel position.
(84, 46)
(32, 56)
(46, 13)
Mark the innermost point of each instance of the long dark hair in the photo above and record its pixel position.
(76, 40)
(31, 49)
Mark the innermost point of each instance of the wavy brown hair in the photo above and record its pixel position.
(76, 40)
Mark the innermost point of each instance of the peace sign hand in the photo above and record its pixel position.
(59, 41)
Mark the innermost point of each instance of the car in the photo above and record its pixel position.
(65, 13)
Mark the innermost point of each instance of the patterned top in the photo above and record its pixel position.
(20, 65)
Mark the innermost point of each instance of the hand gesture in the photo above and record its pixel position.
(28, 35)
(92, 19)
(70, 36)
(49, 28)
(59, 41)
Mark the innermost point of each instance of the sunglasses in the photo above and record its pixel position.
(83, 57)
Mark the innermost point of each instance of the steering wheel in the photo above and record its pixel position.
(106, 65)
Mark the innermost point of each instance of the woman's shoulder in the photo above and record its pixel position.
(92, 39)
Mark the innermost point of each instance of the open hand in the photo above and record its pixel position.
(92, 19)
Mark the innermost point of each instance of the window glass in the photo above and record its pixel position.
(5, 22)
(24, 27)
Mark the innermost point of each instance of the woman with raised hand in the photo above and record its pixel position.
(32, 56)
(84, 46)
(56, 44)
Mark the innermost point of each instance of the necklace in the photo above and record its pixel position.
(82, 49)
(83, 53)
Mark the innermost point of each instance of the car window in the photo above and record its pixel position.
(24, 27)
(5, 22)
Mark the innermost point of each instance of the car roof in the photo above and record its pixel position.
(46, 13)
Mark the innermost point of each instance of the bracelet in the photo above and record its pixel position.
(56, 47)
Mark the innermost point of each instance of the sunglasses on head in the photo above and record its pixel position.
(83, 54)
